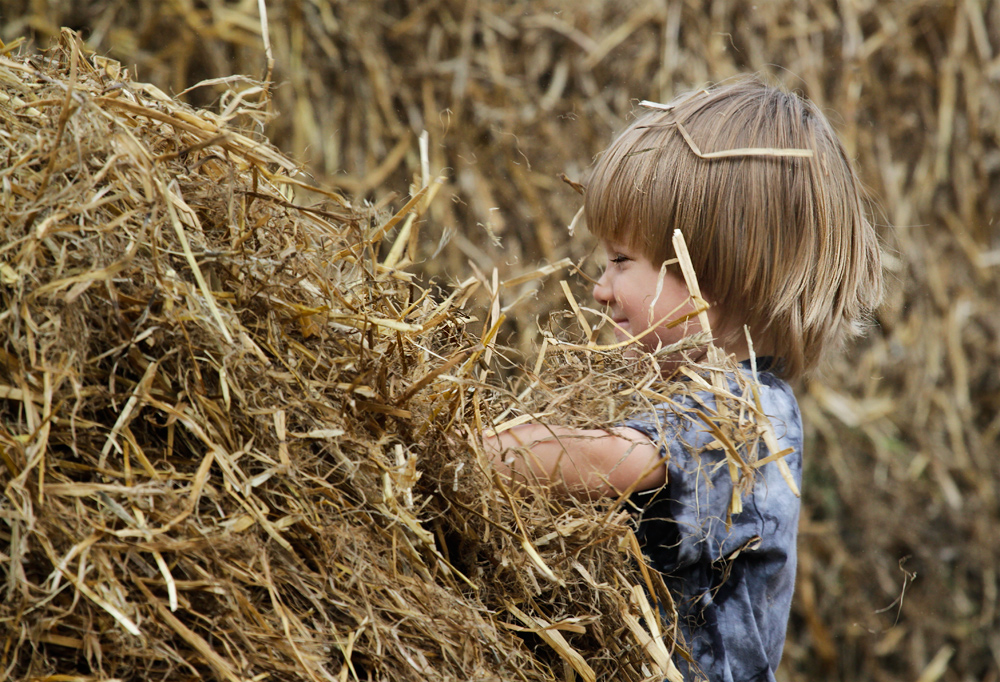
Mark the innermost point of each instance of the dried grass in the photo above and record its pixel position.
(237, 444)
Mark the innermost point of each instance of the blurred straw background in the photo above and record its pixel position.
(899, 568)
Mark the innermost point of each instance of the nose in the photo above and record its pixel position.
(602, 290)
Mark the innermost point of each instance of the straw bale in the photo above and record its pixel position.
(237, 445)
(898, 558)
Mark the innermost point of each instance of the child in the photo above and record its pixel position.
(770, 206)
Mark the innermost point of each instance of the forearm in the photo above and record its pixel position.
(548, 454)
(579, 462)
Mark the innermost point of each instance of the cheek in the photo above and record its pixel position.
(628, 291)
(627, 300)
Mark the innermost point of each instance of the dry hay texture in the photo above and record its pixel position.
(899, 553)
(236, 444)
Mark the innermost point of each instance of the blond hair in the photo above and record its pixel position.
(779, 242)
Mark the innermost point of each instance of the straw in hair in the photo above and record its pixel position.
(758, 183)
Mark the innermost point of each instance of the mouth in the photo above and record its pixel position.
(621, 329)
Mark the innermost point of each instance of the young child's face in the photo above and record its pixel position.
(628, 288)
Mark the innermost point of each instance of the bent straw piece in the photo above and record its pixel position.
(400, 244)
(279, 431)
(772, 458)
(200, 128)
(529, 549)
(122, 619)
(168, 578)
(736, 465)
(543, 271)
(716, 356)
(497, 317)
(219, 664)
(576, 311)
(571, 228)
(192, 261)
(744, 151)
(62, 566)
(695, 377)
(663, 321)
(654, 647)
(295, 182)
(88, 489)
(517, 421)
(363, 322)
(84, 589)
(657, 105)
(429, 377)
(786, 473)
(555, 639)
(653, 623)
(407, 239)
(126, 415)
(391, 223)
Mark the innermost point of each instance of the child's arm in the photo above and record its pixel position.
(583, 462)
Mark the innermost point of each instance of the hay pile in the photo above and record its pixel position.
(237, 443)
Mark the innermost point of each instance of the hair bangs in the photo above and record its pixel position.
(624, 202)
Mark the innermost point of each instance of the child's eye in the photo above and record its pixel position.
(619, 258)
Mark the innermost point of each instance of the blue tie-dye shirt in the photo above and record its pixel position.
(733, 610)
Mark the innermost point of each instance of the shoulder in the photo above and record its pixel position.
(777, 397)
(684, 416)
(779, 404)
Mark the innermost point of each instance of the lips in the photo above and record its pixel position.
(621, 329)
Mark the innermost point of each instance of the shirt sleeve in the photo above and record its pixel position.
(687, 521)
